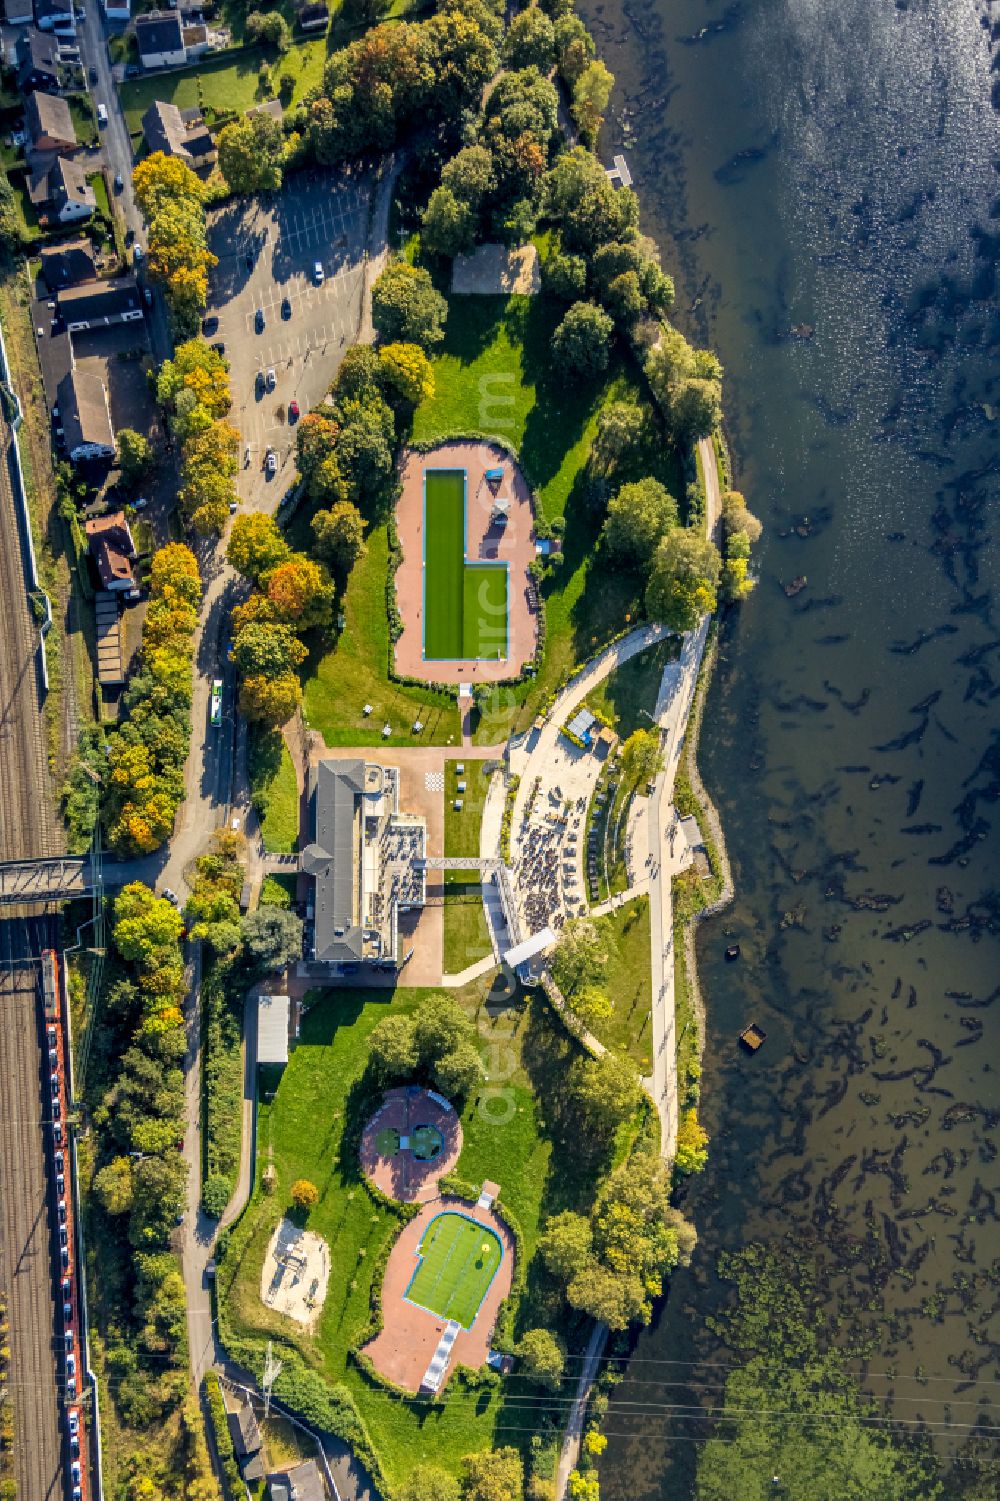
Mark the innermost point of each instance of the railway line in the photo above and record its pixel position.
(27, 1267)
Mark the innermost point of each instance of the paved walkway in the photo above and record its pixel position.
(570, 1452)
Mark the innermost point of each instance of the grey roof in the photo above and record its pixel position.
(97, 300)
(83, 410)
(55, 8)
(176, 132)
(272, 1028)
(66, 264)
(156, 33)
(37, 52)
(303, 1483)
(332, 857)
(244, 1431)
(47, 114)
(68, 184)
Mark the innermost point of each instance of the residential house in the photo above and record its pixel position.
(118, 10)
(37, 58)
(100, 304)
(270, 107)
(247, 1442)
(313, 15)
(60, 191)
(19, 12)
(85, 417)
(112, 550)
(178, 132)
(68, 264)
(160, 40)
(49, 124)
(56, 15)
(303, 1483)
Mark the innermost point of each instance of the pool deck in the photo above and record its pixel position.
(513, 545)
(403, 1349)
(404, 1176)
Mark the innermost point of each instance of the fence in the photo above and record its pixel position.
(21, 501)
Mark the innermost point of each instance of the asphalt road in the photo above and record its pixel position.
(27, 1268)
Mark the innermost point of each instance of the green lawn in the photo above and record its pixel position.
(494, 373)
(628, 693)
(444, 561)
(458, 1260)
(100, 188)
(466, 936)
(461, 825)
(628, 982)
(274, 790)
(354, 672)
(224, 85)
(309, 1121)
(485, 630)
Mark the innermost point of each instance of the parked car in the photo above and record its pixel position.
(318, 273)
(246, 457)
(286, 307)
(209, 324)
(293, 411)
(259, 320)
(258, 383)
(171, 896)
(102, 114)
(272, 379)
(270, 462)
(119, 182)
(92, 74)
(137, 254)
(132, 70)
(147, 296)
(248, 258)
(219, 347)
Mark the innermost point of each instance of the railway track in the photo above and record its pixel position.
(27, 1268)
(27, 828)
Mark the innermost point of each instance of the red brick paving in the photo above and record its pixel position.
(404, 1176)
(403, 1350)
(515, 545)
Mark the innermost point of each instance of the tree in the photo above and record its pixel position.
(267, 649)
(470, 176)
(440, 1025)
(624, 436)
(683, 581)
(301, 592)
(459, 1070)
(591, 93)
(448, 226)
(461, 59)
(565, 276)
(582, 342)
(691, 1153)
(366, 447)
(157, 1198)
(616, 1298)
(358, 375)
(135, 455)
(566, 1244)
(493, 1476)
(113, 1186)
(642, 758)
(340, 536)
(145, 924)
(695, 409)
(590, 211)
(602, 1093)
(574, 47)
(543, 1357)
(256, 546)
(392, 1048)
(406, 307)
(530, 41)
(736, 518)
(305, 1195)
(592, 1004)
(408, 371)
(580, 957)
(215, 1195)
(160, 179)
(273, 936)
(200, 369)
(270, 701)
(521, 103)
(273, 30)
(638, 517)
(251, 151)
(428, 1483)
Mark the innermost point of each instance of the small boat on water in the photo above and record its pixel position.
(752, 1037)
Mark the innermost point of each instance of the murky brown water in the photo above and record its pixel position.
(832, 169)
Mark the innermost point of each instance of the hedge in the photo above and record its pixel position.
(232, 1480)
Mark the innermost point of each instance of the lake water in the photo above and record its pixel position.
(822, 179)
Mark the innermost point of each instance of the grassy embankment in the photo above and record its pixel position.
(466, 936)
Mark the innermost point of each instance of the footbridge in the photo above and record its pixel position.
(63, 877)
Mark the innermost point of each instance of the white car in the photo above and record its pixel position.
(318, 273)
(102, 114)
(272, 379)
(270, 462)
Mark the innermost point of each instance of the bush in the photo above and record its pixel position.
(223, 1439)
(215, 1195)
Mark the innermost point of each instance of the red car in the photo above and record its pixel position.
(293, 410)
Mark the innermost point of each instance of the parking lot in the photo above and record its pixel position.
(275, 314)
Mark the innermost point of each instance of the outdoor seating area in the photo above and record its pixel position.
(546, 871)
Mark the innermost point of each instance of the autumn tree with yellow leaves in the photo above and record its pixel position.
(172, 200)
